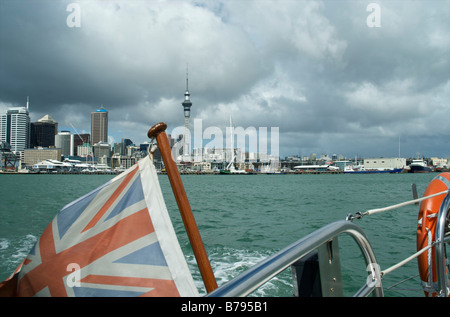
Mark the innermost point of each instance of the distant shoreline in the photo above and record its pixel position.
(208, 173)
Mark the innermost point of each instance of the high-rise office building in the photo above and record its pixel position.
(64, 141)
(99, 126)
(43, 132)
(15, 129)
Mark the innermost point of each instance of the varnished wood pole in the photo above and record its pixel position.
(157, 131)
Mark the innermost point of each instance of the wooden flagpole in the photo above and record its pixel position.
(157, 131)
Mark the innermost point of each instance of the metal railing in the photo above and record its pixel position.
(256, 276)
(441, 258)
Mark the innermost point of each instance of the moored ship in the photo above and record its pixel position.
(419, 166)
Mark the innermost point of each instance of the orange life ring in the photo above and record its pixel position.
(426, 228)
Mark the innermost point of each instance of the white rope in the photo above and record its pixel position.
(377, 210)
(399, 264)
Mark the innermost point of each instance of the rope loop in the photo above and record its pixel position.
(152, 148)
(350, 217)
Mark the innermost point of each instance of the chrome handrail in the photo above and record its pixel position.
(441, 258)
(248, 281)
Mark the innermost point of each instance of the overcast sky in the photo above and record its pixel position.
(315, 69)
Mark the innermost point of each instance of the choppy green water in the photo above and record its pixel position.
(242, 219)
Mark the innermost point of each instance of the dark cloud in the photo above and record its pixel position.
(314, 69)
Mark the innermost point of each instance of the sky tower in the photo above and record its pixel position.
(187, 113)
(187, 104)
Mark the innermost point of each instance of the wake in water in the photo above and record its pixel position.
(227, 263)
(13, 252)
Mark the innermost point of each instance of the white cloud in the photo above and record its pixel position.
(312, 68)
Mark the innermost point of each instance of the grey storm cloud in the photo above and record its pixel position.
(315, 69)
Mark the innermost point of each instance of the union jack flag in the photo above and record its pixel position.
(117, 240)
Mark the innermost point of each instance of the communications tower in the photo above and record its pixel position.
(187, 104)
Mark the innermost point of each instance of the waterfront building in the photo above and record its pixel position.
(36, 155)
(293, 158)
(226, 155)
(8, 160)
(121, 162)
(80, 139)
(65, 141)
(43, 132)
(99, 126)
(132, 150)
(201, 167)
(144, 147)
(52, 166)
(382, 163)
(102, 149)
(121, 148)
(263, 157)
(252, 156)
(126, 142)
(439, 162)
(15, 129)
(171, 140)
(85, 150)
(118, 149)
(341, 164)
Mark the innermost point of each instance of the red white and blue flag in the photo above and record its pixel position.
(117, 240)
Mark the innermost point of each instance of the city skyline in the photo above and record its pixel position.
(321, 155)
(344, 77)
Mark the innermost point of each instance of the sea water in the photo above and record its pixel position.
(243, 219)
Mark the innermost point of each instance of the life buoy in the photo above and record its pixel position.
(426, 228)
